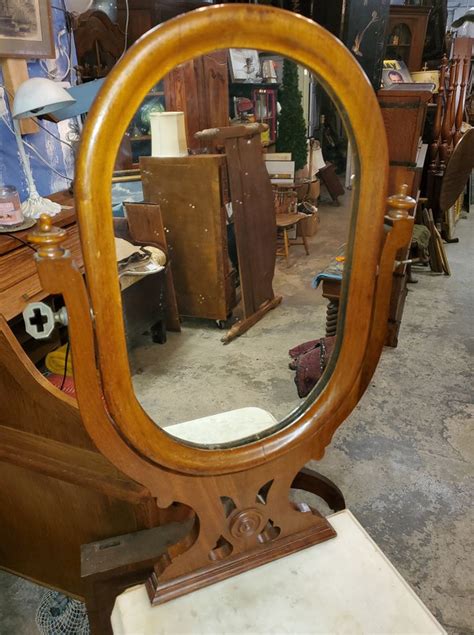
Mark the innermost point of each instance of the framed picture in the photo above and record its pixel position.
(245, 65)
(415, 86)
(26, 29)
(395, 72)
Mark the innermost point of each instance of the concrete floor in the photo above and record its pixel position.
(404, 457)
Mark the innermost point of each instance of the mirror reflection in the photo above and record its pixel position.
(231, 204)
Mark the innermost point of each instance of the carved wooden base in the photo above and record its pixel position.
(111, 566)
(163, 592)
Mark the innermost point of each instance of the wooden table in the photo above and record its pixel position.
(19, 281)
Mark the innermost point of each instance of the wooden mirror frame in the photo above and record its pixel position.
(234, 501)
(148, 61)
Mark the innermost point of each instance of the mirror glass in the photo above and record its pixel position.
(232, 206)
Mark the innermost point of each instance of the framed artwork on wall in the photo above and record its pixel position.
(26, 29)
(244, 65)
(365, 23)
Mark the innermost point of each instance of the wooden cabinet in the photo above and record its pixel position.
(200, 89)
(407, 33)
(404, 114)
(192, 192)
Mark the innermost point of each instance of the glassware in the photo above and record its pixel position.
(10, 206)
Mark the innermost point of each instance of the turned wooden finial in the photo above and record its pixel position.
(400, 204)
(48, 238)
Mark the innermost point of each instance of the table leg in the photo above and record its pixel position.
(287, 246)
(305, 243)
(332, 313)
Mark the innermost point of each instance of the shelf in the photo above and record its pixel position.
(144, 137)
(256, 84)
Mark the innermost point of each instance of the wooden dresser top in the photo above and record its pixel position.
(19, 281)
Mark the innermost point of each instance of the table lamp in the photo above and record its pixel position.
(34, 97)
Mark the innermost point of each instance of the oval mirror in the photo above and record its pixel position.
(194, 244)
(231, 217)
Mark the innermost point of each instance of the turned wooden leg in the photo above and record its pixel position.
(332, 312)
(305, 243)
(287, 246)
(311, 481)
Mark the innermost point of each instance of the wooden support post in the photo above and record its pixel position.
(15, 72)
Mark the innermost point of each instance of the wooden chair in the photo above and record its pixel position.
(287, 217)
(447, 128)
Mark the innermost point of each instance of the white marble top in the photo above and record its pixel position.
(345, 585)
(224, 427)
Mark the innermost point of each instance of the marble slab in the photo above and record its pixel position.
(345, 585)
(224, 427)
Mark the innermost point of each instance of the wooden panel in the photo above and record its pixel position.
(45, 521)
(181, 94)
(38, 407)
(216, 89)
(254, 218)
(67, 463)
(199, 88)
(140, 21)
(146, 227)
(404, 114)
(189, 194)
(58, 490)
(15, 72)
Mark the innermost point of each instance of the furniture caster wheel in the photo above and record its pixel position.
(224, 324)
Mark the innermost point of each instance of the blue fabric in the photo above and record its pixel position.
(324, 276)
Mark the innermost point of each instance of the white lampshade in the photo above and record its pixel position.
(78, 6)
(39, 96)
(168, 134)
